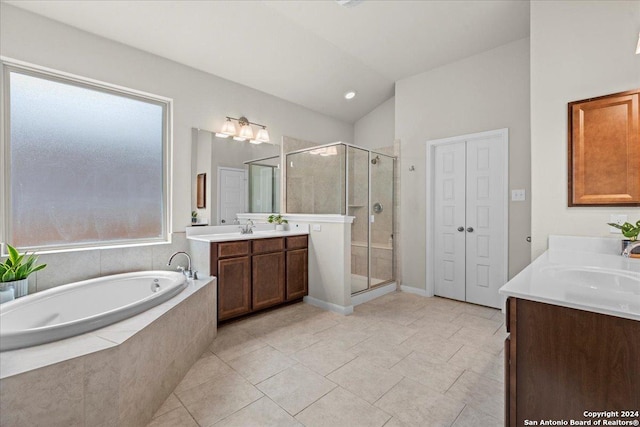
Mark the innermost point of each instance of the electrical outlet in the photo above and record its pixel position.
(316, 227)
(617, 219)
(518, 195)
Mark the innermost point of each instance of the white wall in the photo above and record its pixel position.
(579, 49)
(483, 92)
(377, 128)
(200, 100)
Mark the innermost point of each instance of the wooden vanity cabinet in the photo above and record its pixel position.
(257, 274)
(561, 362)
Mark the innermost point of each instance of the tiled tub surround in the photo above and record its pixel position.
(117, 375)
(74, 266)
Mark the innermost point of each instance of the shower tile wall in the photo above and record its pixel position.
(68, 267)
(315, 183)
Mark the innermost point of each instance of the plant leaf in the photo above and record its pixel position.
(8, 276)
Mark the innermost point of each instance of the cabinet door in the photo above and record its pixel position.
(234, 287)
(297, 274)
(268, 280)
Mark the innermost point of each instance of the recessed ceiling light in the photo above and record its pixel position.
(350, 95)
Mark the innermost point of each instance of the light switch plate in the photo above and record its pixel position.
(518, 195)
(618, 219)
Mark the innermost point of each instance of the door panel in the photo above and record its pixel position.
(268, 280)
(449, 215)
(486, 217)
(469, 211)
(231, 193)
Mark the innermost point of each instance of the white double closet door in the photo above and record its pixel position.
(470, 196)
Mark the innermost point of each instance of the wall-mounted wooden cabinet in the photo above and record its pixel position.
(604, 150)
(257, 274)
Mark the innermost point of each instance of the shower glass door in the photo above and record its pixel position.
(381, 219)
(358, 207)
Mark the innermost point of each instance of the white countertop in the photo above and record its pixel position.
(263, 234)
(603, 283)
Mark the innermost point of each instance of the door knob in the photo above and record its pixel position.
(470, 229)
(461, 229)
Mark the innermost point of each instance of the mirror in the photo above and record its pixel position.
(264, 185)
(235, 177)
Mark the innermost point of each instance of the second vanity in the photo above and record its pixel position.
(255, 271)
(574, 346)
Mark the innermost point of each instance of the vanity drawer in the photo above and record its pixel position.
(297, 242)
(260, 246)
(231, 249)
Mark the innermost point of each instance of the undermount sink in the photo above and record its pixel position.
(596, 278)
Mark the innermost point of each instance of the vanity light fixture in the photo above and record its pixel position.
(246, 131)
(350, 95)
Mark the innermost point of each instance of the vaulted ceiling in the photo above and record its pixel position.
(307, 52)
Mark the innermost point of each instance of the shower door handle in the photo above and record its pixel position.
(461, 229)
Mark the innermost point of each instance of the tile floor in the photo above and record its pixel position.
(400, 360)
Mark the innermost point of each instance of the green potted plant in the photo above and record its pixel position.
(278, 220)
(194, 217)
(631, 233)
(15, 270)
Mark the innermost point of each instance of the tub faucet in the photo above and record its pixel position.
(189, 273)
(627, 251)
(247, 228)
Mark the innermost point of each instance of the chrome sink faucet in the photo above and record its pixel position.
(247, 228)
(627, 251)
(189, 273)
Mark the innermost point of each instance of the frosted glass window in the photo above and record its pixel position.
(86, 164)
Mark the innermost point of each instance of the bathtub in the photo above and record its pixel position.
(80, 307)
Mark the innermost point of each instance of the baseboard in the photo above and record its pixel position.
(373, 294)
(416, 291)
(329, 306)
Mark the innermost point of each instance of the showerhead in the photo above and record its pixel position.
(375, 160)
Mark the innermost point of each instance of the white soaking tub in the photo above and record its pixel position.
(80, 307)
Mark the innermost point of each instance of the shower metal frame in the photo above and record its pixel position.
(369, 206)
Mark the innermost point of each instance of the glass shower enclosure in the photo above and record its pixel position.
(345, 179)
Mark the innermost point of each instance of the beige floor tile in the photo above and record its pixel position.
(391, 332)
(477, 322)
(205, 369)
(261, 364)
(470, 417)
(342, 408)
(435, 326)
(421, 368)
(262, 412)
(217, 399)
(296, 388)
(380, 352)
(170, 404)
(415, 404)
(291, 342)
(365, 379)
(480, 362)
(178, 417)
(323, 358)
(440, 349)
(343, 336)
(483, 339)
(481, 311)
(482, 393)
(233, 342)
(397, 315)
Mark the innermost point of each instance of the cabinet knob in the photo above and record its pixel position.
(461, 229)
(470, 229)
